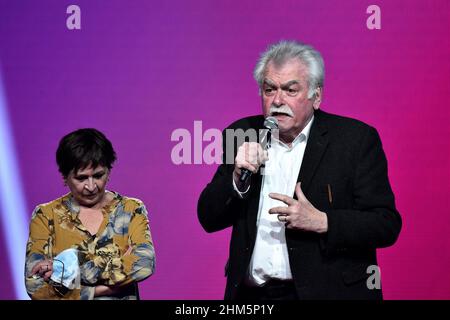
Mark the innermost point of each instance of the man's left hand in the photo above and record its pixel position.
(299, 214)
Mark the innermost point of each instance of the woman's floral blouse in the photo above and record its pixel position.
(121, 253)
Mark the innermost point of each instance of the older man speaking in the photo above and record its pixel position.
(309, 227)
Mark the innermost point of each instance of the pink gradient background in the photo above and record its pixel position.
(140, 69)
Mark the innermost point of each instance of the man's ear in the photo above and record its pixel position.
(317, 98)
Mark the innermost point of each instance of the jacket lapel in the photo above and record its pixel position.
(315, 148)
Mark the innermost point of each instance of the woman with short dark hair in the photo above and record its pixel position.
(91, 243)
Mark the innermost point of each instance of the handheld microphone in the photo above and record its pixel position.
(270, 123)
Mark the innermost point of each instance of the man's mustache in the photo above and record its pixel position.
(283, 109)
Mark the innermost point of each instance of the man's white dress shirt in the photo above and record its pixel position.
(270, 255)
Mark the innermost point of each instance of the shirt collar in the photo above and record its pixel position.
(306, 130)
(302, 136)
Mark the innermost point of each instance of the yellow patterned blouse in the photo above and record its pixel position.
(103, 257)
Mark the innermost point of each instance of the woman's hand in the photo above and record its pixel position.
(43, 269)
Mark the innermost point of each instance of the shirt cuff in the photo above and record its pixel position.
(240, 194)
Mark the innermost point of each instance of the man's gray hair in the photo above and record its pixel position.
(283, 51)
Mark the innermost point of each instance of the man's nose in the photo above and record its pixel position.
(278, 99)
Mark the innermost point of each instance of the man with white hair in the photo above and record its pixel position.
(309, 227)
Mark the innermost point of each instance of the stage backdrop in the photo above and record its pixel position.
(138, 70)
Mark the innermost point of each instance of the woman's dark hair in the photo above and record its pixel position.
(83, 148)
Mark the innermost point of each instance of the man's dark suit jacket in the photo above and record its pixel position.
(345, 154)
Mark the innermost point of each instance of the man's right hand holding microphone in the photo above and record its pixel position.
(250, 156)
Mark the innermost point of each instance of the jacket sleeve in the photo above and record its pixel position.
(373, 221)
(219, 204)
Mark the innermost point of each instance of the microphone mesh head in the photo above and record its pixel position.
(271, 123)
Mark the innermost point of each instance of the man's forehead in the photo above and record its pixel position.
(292, 69)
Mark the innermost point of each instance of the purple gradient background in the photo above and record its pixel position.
(140, 69)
